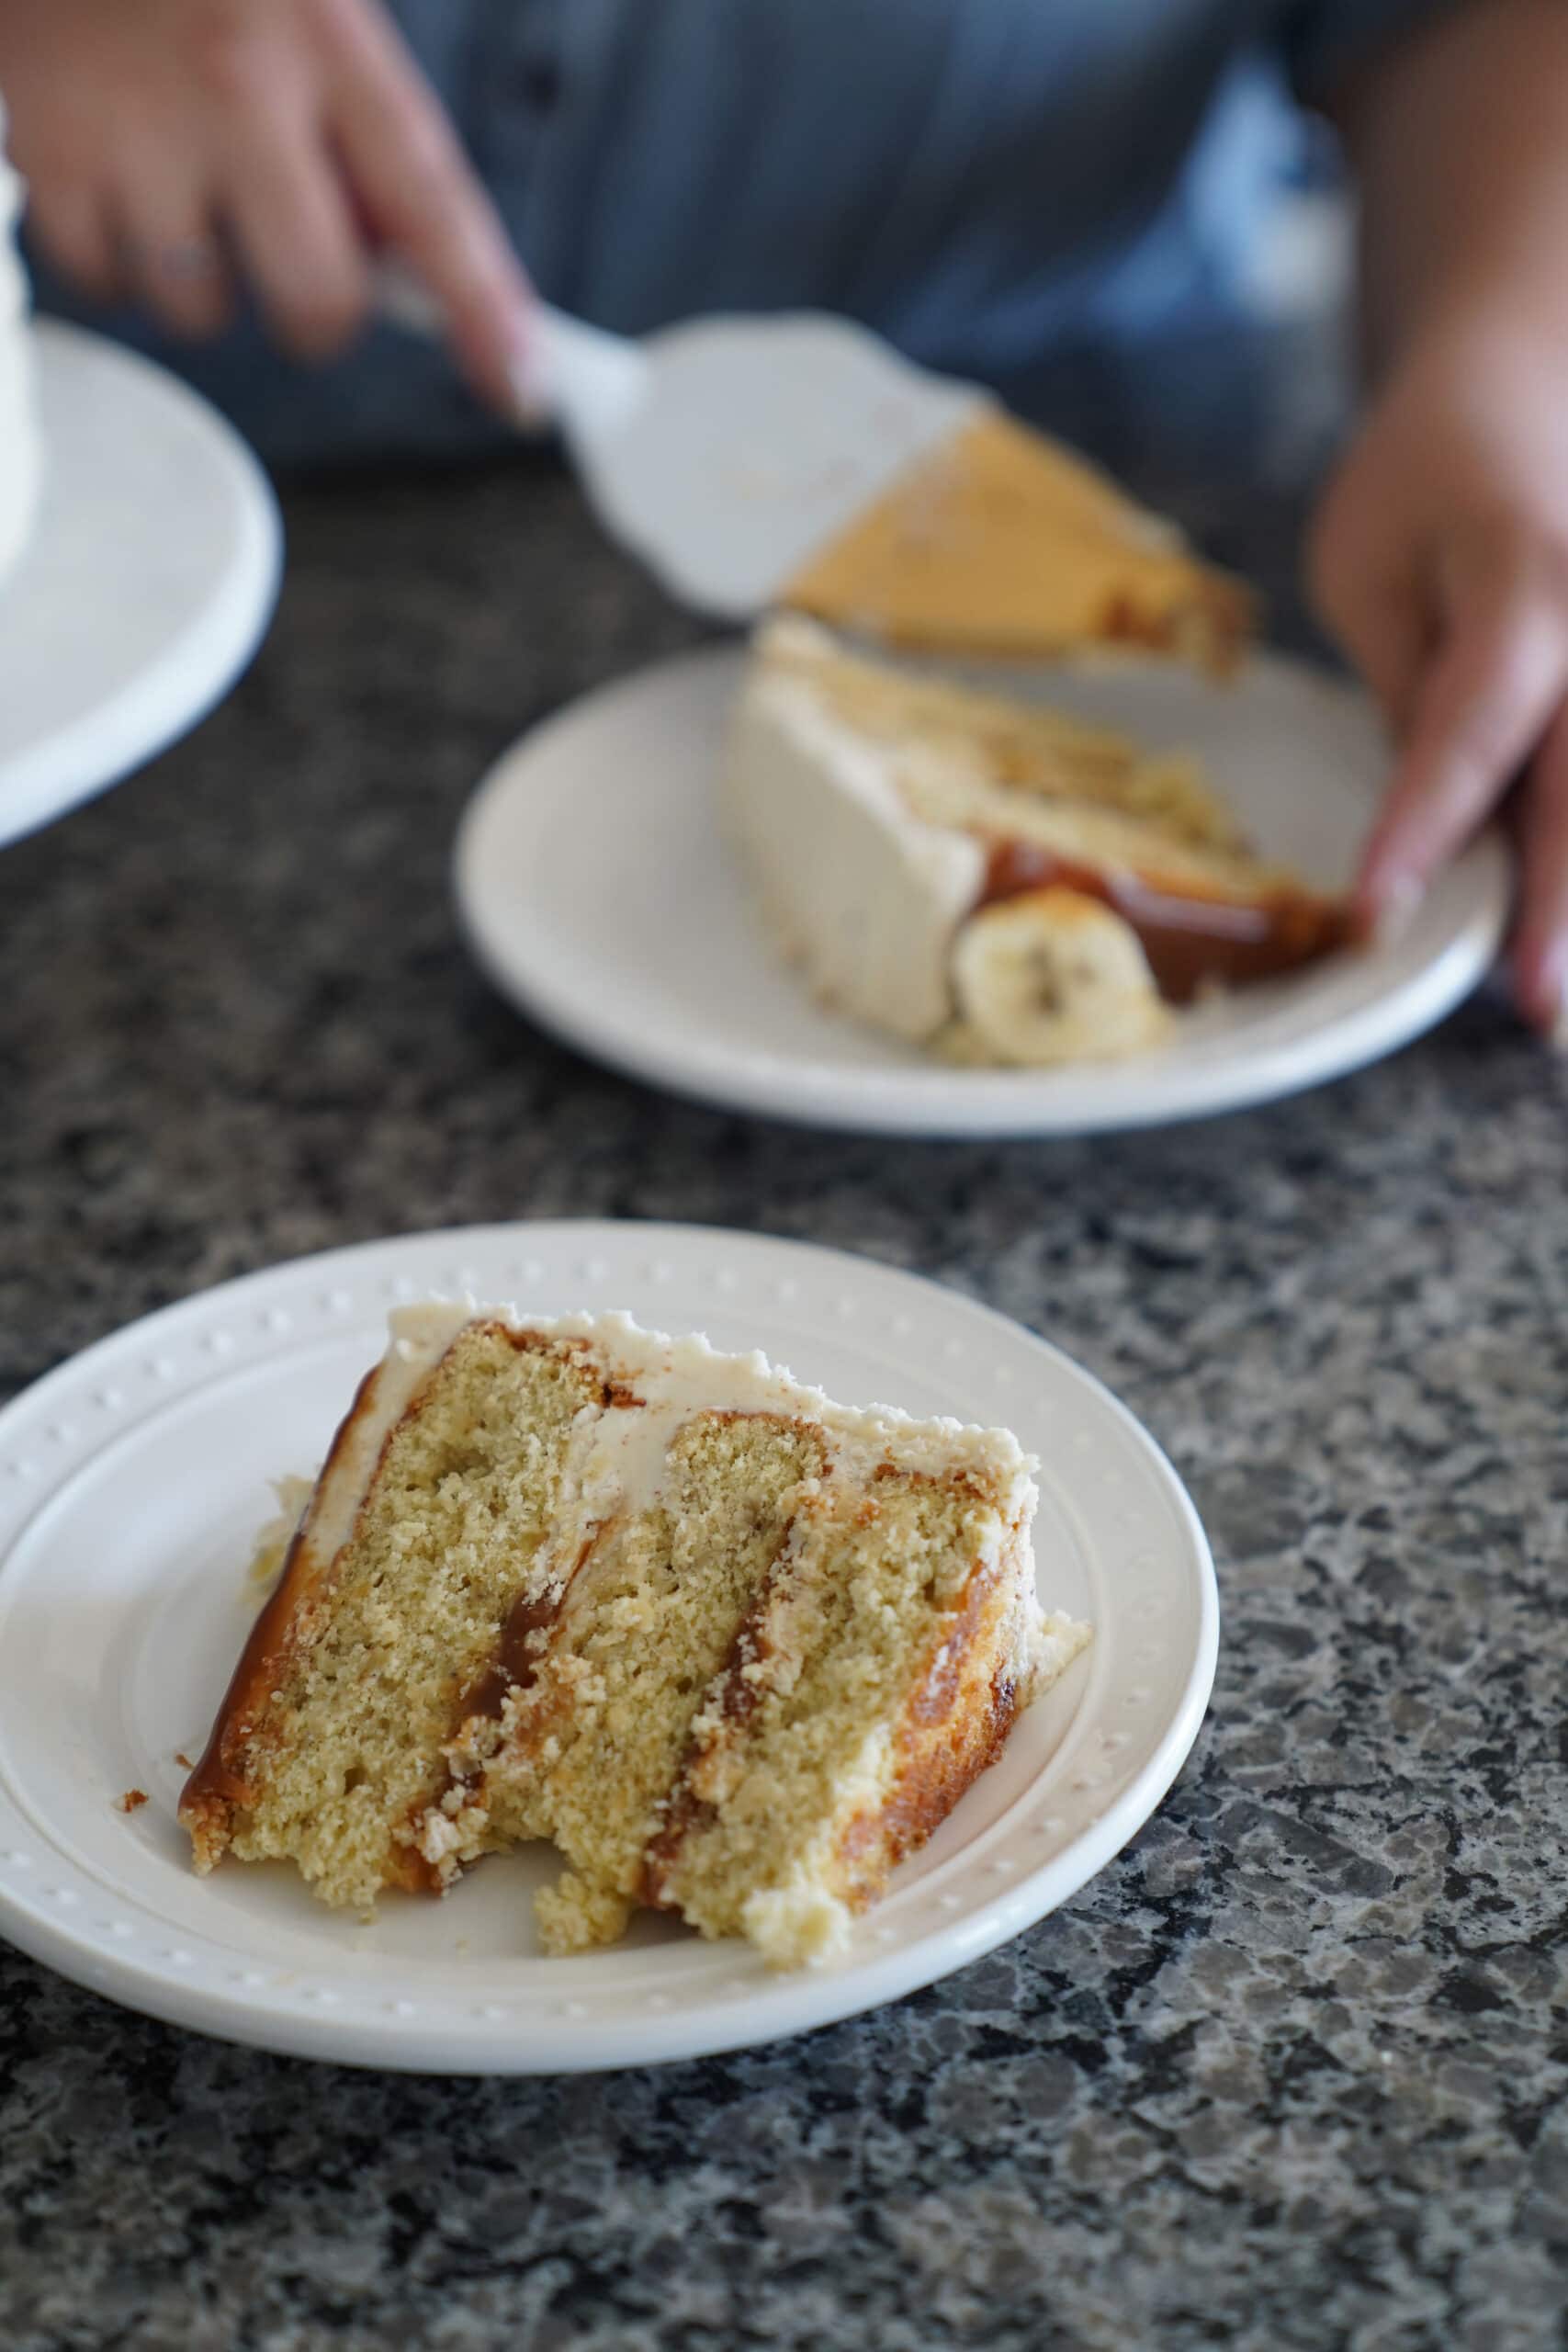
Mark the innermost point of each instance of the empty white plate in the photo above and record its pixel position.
(600, 899)
(133, 1479)
(149, 578)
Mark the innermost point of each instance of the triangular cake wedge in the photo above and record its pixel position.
(1003, 543)
(733, 1648)
(917, 848)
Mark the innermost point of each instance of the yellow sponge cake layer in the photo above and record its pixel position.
(428, 1526)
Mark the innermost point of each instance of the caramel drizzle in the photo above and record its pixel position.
(1191, 940)
(740, 1694)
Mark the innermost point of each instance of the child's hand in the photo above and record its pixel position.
(1439, 559)
(171, 145)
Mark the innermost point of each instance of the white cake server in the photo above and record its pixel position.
(725, 451)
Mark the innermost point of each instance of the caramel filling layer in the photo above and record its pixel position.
(1191, 941)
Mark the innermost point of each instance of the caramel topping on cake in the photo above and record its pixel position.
(1193, 942)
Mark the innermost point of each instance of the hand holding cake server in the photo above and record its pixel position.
(191, 149)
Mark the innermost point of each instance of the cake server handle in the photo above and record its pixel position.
(589, 381)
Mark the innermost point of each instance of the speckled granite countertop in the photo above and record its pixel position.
(1287, 2073)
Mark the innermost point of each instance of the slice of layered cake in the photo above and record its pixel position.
(995, 880)
(1000, 542)
(734, 1648)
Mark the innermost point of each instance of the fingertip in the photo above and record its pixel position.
(187, 282)
(1543, 999)
(318, 325)
(1538, 972)
(199, 323)
(1366, 906)
(1538, 949)
(73, 226)
(1391, 880)
(500, 348)
(529, 379)
(1383, 911)
(202, 307)
(296, 237)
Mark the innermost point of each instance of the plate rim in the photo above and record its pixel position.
(929, 1101)
(168, 697)
(792, 2003)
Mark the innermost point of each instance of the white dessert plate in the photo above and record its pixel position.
(148, 581)
(598, 894)
(133, 1479)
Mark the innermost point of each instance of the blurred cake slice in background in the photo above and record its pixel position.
(988, 877)
(1003, 543)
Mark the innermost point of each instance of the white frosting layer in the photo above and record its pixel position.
(861, 893)
(21, 449)
(618, 1452)
(420, 1337)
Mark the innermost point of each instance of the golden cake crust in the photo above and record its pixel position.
(223, 1780)
(223, 1783)
(954, 1727)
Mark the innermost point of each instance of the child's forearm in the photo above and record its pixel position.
(1459, 138)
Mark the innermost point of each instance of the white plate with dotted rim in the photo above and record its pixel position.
(149, 578)
(598, 896)
(132, 1481)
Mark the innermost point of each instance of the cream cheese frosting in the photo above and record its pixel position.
(861, 893)
(620, 1451)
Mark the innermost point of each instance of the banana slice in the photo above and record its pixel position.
(1054, 975)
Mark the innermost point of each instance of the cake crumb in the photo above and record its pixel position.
(183, 1761)
(132, 1801)
(796, 1926)
(573, 1916)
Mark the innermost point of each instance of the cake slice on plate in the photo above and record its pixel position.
(980, 875)
(733, 1648)
(1003, 543)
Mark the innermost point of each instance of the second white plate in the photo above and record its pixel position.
(600, 899)
(149, 578)
(131, 1484)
